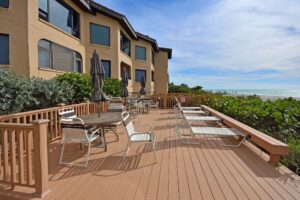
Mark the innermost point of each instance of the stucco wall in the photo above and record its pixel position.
(13, 21)
(21, 21)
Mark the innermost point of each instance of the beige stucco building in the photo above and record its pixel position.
(43, 38)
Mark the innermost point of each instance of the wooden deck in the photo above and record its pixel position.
(204, 171)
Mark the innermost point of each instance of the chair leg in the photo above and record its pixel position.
(237, 145)
(87, 155)
(154, 150)
(116, 133)
(62, 153)
(127, 149)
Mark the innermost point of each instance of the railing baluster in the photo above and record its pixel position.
(29, 157)
(21, 155)
(13, 157)
(5, 155)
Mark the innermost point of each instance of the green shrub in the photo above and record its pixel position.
(112, 86)
(279, 119)
(48, 93)
(18, 94)
(80, 83)
(14, 94)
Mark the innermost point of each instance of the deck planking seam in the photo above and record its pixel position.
(236, 174)
(273, 183)
(213, 148)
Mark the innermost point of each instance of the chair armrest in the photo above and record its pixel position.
(150, 128)
(141, 133)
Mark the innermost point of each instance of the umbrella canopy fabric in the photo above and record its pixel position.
(124, 83)
(97, 72)
(143, 84)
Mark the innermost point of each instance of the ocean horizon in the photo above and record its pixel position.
(261, 92)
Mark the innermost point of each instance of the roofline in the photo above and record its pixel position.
(83, 4)
(148, 39)
(168, 50)
(92, 7)
(115, 15)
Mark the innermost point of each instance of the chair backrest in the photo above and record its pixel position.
(67, 113)
(74, 129)
(128, 124)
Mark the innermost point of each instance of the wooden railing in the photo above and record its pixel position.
(169, 101)
(24, 155)
(54, 130)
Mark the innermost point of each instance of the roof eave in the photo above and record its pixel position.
(84, 5)
(117, 16)
(168, 50)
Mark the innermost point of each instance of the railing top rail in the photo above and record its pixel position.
(16, 126)
(14, 115)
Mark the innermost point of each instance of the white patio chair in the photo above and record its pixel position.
(134, 136)
(201, 118)
(75, 131)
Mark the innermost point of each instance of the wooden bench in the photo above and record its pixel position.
(274, 147)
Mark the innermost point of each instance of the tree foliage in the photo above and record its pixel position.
(112, 86)
(184, 88)
(81, 84)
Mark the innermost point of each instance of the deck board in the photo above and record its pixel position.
(202, 171)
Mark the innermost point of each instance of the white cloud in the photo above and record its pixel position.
(234, 35)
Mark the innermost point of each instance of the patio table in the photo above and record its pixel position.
(105, 119)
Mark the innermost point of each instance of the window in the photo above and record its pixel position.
(127, 68)
(125, 44)
(152, 57)
(60, 15)
(138, 75)
(100, 34)
(55, 56)
(140, 53)
(4, 49)
(4, 3)
(107, 68)
(152, 76)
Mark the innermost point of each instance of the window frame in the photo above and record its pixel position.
(8, 48)
(137, 46)
(75, 57)
(74, 32)
(108, 61)
(138, 81)
(109, 38)
(8, 3)
(122, 35)
(152, 57)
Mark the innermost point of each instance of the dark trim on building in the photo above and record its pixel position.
(115, 15)
(84, 5)
(168, 50)
(148, 39)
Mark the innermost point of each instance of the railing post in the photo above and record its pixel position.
(40, 132)
(165, 101)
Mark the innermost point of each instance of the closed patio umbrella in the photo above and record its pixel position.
(124, 83)
(143, 84)
(97, 72)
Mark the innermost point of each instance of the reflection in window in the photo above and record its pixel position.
(138, 75)
(4, 49)
(99, 34)
(4, 3)
(107, 68)
(60, 15)
(55, 56)
(125, 44)
(140, 53)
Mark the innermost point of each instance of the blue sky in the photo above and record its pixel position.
(234, 44)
